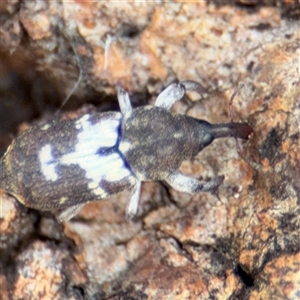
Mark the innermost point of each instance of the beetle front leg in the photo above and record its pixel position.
(170, 95)
(190, 185)
(194, 86)
(176, 91)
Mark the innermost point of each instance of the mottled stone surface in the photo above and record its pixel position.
(45, 271)
(16, 224)
(241, 242)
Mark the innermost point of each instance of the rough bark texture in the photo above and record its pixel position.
(241, 243)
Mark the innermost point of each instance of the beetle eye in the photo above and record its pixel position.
(207, 139)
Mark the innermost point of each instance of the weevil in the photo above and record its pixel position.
(61, 165)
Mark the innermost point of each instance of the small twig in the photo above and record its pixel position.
(80, 75)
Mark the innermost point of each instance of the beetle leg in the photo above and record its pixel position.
(194, 86)
(176, 91)
(170, 95)
(133, 201)
(69, 212)
(124, 101)
(190, 185)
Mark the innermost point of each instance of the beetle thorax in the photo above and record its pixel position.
(155, 142)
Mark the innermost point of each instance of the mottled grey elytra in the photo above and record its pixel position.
(62, 165)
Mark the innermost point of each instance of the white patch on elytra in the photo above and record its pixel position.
(47, 163)
(82, 121)
(46, 127)
(62, 200)
(92, 185)
(125, 146)
(99, 192)
(91, 138)
(104, 133)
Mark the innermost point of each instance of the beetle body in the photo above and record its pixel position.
(61, 165)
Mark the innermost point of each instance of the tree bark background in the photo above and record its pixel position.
(240, 243)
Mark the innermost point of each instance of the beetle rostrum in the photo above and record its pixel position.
(62, 165)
